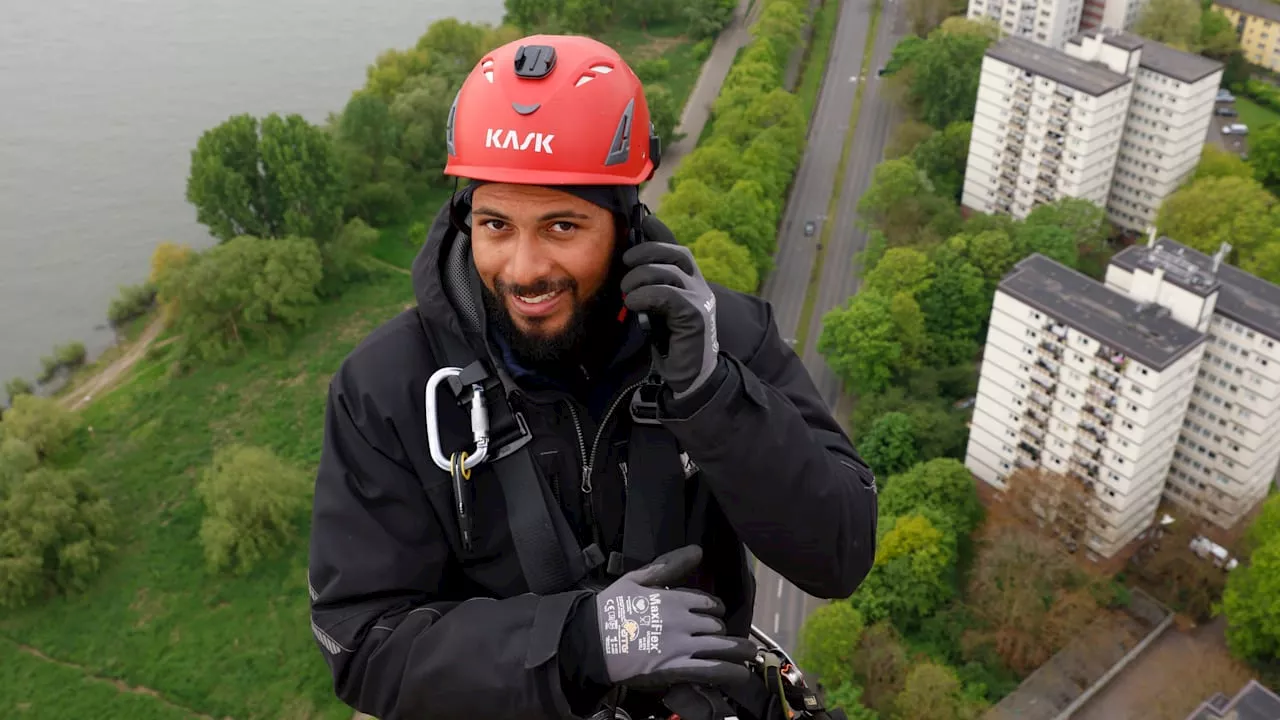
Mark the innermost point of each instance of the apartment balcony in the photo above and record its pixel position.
(1104, 397)
(1040, 377)
(1102, 416)
(1047, 180)
(1032, 435)
(1059, 123)
(1045, 368)
(1089, 426)
(1049, 349)
(1037, 418)
(1019, 120)
(1052, 148)
(1004, 207)
(1049, 166)
(1016, 136)
(1040, 400)
(1029, 451)
(1061, 108)
(1105, 378)
(1086, 470)
(1009, 176)
(1023, 93)
(1043, 195)
(1116, 359)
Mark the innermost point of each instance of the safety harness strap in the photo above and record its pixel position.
(655, 513)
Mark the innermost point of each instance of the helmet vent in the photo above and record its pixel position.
(620, 150)
(486, 67)
(592, 73)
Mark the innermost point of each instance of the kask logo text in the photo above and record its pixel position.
(510, 140)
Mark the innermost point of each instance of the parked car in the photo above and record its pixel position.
(1225, 111)
(1225, 95)
(1235, 129)
(809, 228)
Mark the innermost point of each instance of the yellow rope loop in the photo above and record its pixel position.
(466, 471)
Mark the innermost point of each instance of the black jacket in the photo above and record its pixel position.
(414, 626)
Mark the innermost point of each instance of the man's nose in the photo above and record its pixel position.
(528, 263)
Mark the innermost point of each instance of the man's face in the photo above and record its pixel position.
(543, 255)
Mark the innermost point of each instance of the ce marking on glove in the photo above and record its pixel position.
(633, 622)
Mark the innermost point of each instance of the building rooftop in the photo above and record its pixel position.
(1143, 332)
(1157, 57)
(1253, 702)
(1087, 77)
(1258, 8)
(1250, 301)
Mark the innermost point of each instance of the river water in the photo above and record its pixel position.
(101, 102)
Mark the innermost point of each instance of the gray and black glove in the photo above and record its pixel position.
(654, 636)
(666, 282)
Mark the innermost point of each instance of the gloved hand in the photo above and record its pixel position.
(654, 636)
(665, 281)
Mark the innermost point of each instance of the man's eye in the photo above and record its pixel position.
(495, 225)
(563, 226)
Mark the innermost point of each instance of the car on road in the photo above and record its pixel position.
(809, 228)
(1225, 111)
(1225, 95)
(1235, 129)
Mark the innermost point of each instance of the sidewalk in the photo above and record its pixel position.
(697, 109)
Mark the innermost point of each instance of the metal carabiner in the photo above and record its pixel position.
(479, 422)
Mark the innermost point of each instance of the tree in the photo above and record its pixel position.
(166, 257)
(1249, 604)
(1083, 220)
(943, 484)
(252, 502)
(41, 422)
(367, 139)
(706, 18)
(54, 531)
(943, 156)
(955, 306)
(1054, 505)
(271, 179)
(664, 113)
(889, 446)
(346, 258)
(750, 218)
(1217, 36)
(718, 165)
(944, 77)
(828, 642)
(1264, 156)
(1029, 596)
(17, 386)
(1265, 261)
(925, 15)
(1052, 241)
(860, 342)
(242, 290)
(880, 666)
(1209, 212)
(780, 25)
(848, 698)
(912, 574)
(1173, 22)
(906, 137)
(725, 262)
(940, 430)
(17, 458)
(1266, 526)
(1216, 162)
(900, 270)
(992, 252)
(897, 200)
(958, 24)
(420, 111)
(933, 692)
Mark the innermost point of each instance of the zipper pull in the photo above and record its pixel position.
(586, 479)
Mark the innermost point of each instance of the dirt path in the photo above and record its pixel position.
(105, 378)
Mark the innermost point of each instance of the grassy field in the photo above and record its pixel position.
(192, 643)
(1254, 115)
(229, 647)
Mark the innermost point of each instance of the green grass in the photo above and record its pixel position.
(665, 40)
(395, 246)
(1255, 115)
(815, 274)
(238, 647)
(824, 27)
(36, 689)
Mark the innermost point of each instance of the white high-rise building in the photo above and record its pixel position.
(1168, 117)
(1114, 14)
(1046, 126)
(1078, 378)
(1045, 22)
(1229, 447)
(1115, 119)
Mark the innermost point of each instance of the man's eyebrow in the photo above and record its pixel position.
(553, 215)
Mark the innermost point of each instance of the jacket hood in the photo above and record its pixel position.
(446, 285)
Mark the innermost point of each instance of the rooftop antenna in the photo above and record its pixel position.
(1222, 253)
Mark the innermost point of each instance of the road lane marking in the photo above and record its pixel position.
(779, 587)
(775, 623)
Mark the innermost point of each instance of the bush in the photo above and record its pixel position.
(132, 301)
(17, 458)
(252, 500)
(53, 535)
(40, 422)
(18, 386)
(653, 70)
(71, 355)
(702, 50)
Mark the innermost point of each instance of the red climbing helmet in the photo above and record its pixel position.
(552, 110)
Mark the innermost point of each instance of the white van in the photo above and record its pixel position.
(1235, 129)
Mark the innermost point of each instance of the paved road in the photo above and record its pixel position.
(781, 607)
(876, 120)
(697, 109)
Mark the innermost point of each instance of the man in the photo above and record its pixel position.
(653, 425)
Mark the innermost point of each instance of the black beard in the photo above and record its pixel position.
(590, 320)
